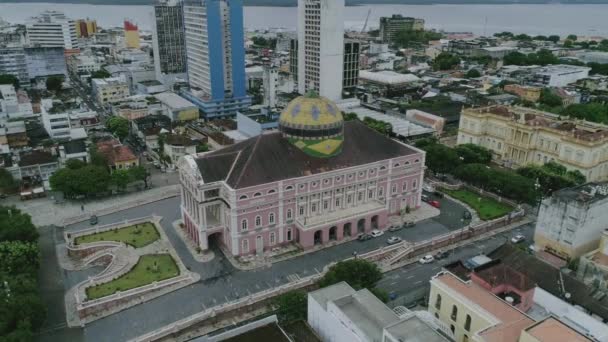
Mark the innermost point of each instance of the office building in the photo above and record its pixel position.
(321, 47)
(560, 75)
(338, 313)
(43, 62)
(350, 74)
(131, 35)
(13, 62)
(316, 181)
(176, 107)
(86, 28)
(215, 56)
(168, 39)
(391, 26)
(53, 29)
(519, 136)
(571, 222)
(110, 90)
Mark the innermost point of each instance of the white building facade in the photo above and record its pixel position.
(321, 47)
(52, 29)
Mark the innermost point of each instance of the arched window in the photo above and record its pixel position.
(271, 191)
(272, 239)
(257, 194)
(289, 188)
(396, 165)
(417, 161)
(258, 221)
(271, 218)
(244, 225)
(289, 214)
(467, 323)
(438, 302)
(289, 238)
(454, 315)
(382, 168)
(244, 197)
(245, 246)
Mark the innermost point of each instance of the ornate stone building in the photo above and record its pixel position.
(318, 180)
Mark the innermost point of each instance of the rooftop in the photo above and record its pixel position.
(36, 158)
(270, 157)
(173, 100)
(115, 152)
(387, 77)
(413, 329)
(271, 332)
(511, 320)
(586, 193)
(552, 329)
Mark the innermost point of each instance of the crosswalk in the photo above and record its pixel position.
(293, 277)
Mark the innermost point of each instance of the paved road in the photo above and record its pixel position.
(220, 282)
(410, 278)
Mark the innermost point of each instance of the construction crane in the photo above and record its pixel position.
(366, 20)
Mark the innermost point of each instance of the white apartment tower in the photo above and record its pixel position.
(321, 47)
(52, 29)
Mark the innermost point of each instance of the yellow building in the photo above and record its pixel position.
(86, 28)
(131, 35)
(474, 314)
(527, 93)
(520, 136)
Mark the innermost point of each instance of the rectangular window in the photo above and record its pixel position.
(325, 205)
(272, 239)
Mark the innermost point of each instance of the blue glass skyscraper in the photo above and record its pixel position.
(216, 56)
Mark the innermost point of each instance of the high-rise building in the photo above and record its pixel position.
(391, 26)
(168, 38)
(12, 62)
(321, 47)
(350, 77)
(215, 56)
(86, 28)
(43, 62)
(350, 74)
(131, 35)
(52, 29)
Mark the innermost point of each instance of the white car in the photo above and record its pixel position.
(393, 240)
(518, 238)
(376, 233)
(427, 259)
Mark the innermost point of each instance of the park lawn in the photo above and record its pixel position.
(145, 272)
(139, 235)
(487, 208)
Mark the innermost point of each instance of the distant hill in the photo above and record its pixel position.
(348, 2)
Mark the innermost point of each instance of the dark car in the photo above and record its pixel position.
(466, 215)
(441, 255)
(409, 224)
(395, 228)
(364, 237)
(93, 220)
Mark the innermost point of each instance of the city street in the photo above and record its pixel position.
(220, 282)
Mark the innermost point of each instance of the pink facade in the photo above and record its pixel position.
(313, 210)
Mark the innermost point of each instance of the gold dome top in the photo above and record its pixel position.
(311, 112)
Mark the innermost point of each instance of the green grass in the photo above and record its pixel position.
(149, 268)
(138, 235)
(487, 208)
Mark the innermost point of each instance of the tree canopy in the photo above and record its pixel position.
(542, 57)
(473, 73)
(119, 126)
(6, 180)
(548, 98)
(552, 176)
(85, 181)
(358, 273)
(54, 83)
(101, 73)
(409, 38)
(445, 61)
(9, 79)
(292, 306)
(16, 225)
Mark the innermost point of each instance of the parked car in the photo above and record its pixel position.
(427, 259)
(435, 204)
(428, 188)
(364, 237)
(409, 224)
(376, 233)
(2, 196)
(393, 240)
(395, 228)
(438, 194)
(93, 220)
(466, 215)
(518, 238)
(425, 198)
(441, 255)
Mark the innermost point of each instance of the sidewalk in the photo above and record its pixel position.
(45, 211)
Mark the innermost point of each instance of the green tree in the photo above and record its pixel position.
(473, 154)
(119, 126)
(6, 180)
(101, 73)
(19, 257)
(22, 311)
(548, 98)
(292, 306)
(9, 79)
(504, 34)
(54, 83)
(140, 173)
(16, 225)
(441, 159)
(473, 73)
(202, 148)
(88, 180)
(121, 178)
(515, 58)
(445, 61)
(358, 273)
(553, 38)
(75, 164)
(523, 37)
(572, 37)
(380, 293)
(568, 43)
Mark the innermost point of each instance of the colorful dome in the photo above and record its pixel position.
(314, 124)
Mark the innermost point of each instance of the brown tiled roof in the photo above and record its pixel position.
(498, 274)
(551, 330)
(115, 152)
(269, 157)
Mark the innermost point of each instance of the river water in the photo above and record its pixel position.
(587, 20)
